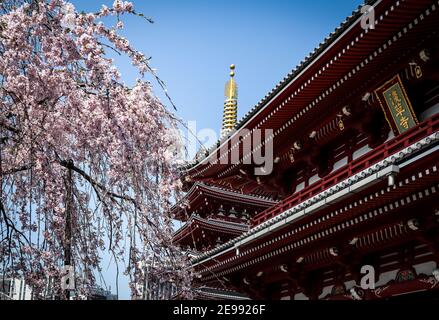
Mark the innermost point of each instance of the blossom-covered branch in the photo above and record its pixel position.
(87, 164)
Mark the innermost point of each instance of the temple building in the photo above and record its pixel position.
(352, 136)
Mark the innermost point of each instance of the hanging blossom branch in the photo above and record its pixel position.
(87, 164)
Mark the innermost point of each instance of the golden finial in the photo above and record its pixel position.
(231, 104)
(231, 91)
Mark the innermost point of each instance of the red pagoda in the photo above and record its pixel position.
(354, 186)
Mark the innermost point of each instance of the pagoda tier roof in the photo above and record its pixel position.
(199, 192)
(420, 149)
(208, 293)
(222, 227)
(337, 72)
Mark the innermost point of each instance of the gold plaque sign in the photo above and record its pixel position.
(396, 106)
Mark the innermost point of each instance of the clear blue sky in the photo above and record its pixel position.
(193, 42)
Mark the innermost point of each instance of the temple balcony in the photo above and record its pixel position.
(341, 176)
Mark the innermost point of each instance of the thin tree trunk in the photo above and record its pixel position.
(68, 226)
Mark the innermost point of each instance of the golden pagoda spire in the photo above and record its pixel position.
(230, 104)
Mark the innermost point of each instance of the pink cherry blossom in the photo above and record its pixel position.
(118, 5)
(87, 164)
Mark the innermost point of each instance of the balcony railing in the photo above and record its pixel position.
(378, 154)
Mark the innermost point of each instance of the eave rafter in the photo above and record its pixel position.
(361, 53)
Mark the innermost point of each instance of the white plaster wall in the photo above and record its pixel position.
(314, 179)
(300, 187)
(386, 277)
(340, 163)
(360, 152)
(425, 268)
(429, 113)
(349, 285)
(300, 296)
(391, 136)
(326, 290)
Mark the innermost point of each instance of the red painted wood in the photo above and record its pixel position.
(380, 153)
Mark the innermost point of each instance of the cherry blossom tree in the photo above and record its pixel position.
(87, 164)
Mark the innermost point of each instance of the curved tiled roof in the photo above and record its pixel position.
(241, 197)
(221, 294)
(227, 225)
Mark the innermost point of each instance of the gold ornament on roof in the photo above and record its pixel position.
(230, 104)
(231, 90)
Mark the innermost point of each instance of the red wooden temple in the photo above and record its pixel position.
(214, 216)
(354, 183)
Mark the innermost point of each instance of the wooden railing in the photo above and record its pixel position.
(385, 150)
